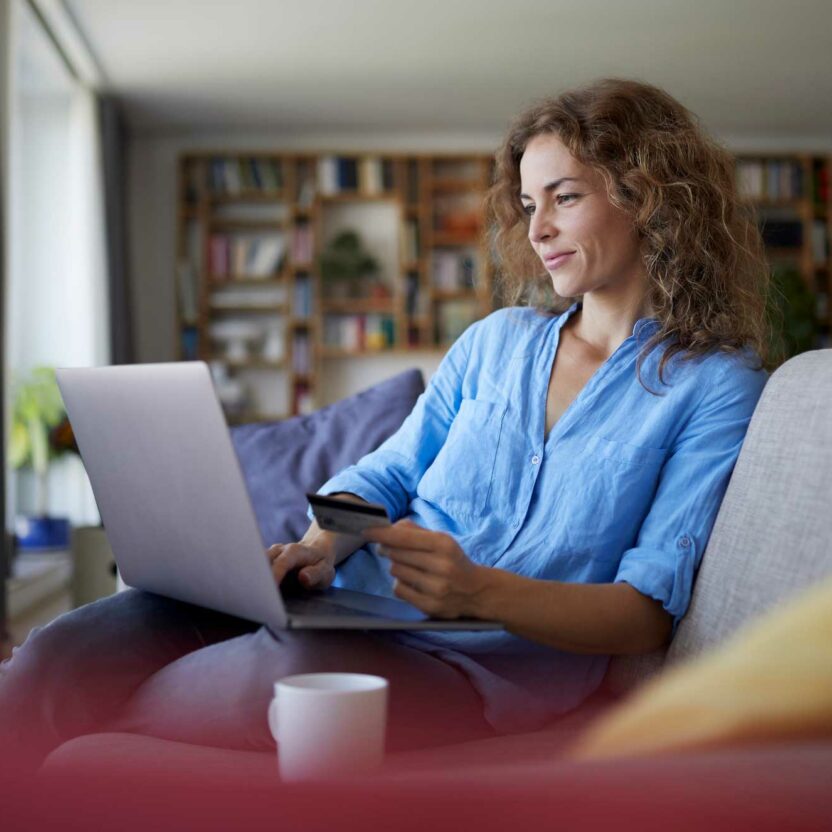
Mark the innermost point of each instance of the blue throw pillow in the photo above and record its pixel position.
(282, 461)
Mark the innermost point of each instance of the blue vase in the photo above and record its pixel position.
(42, 533)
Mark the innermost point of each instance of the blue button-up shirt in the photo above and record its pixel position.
(626, 487)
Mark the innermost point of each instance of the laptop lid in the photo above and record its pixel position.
(169, 486)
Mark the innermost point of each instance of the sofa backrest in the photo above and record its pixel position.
(773, 534)
(282, 461)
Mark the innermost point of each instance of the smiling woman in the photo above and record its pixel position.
(652, 179)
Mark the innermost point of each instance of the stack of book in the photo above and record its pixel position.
(239, 174)
(245, 255)
(355, 333)
(347, 174)
(770, 179)
(453, 271)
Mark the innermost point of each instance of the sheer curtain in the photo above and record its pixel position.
(57, 311)
(5, 19)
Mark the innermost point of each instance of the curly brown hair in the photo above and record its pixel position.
(708, 278)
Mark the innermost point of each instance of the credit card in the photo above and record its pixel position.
(338, 515)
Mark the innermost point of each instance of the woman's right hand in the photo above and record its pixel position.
(315, 565)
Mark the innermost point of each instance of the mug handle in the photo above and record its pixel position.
(273, 717)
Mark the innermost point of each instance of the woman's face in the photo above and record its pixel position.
(586, 243)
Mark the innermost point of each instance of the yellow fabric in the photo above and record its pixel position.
(771, 681)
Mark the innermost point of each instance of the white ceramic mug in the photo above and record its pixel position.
(328, 725)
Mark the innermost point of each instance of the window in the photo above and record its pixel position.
(56, 310)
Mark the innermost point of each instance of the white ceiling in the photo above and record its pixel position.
(747, 67)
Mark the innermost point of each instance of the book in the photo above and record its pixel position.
(412, 294)
(328, 175)
(347, 174)
(264, 256)
(302, 244)
(231, 176)
(301, 354)
(355, 333)
(770, 179)
(370, 178)
(219, 256)
(302, 301)
(187, 282)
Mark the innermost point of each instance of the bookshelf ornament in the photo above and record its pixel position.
(347, 268)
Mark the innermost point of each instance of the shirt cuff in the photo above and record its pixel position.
(666, 575)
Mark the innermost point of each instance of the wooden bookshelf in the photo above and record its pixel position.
(791, 194)
(257, 223)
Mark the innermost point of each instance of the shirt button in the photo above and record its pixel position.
(684, 542)
(535, 460)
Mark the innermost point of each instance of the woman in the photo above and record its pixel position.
(561, 473)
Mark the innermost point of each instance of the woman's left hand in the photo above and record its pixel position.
(431, 570)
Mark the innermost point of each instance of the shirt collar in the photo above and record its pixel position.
(647, 325)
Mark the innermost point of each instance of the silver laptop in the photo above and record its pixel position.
(174, 502)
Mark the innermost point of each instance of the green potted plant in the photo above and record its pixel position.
(792, 314)
(40, 432)
(347, 267)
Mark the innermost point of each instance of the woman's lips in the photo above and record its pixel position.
(557, 260)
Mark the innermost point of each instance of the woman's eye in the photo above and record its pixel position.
(567, 198)
(528, 210)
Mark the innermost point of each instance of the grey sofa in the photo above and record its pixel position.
(773, 537)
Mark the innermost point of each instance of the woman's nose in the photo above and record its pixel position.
(541, 227)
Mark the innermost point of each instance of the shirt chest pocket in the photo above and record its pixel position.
(613, 485)
(459, 482)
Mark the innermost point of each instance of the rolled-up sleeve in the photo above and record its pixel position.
(691, 486)
(390, 474)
